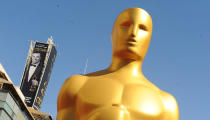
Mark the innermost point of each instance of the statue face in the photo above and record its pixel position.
(132, 33)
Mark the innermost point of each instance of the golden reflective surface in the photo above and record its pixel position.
(120, 92)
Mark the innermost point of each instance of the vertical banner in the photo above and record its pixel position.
(45, 78)
(32, 73)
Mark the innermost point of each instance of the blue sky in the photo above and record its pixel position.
(178, 60)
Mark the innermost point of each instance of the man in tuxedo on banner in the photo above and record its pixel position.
(31, 78)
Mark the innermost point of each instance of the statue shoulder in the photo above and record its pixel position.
(170, 105)
(73, 84)
(67, 95)
(70, 89)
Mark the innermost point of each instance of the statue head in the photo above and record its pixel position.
(131, 34)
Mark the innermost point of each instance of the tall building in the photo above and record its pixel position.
(37, 72)
(24, 103)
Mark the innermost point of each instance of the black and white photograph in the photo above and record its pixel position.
(33, 71)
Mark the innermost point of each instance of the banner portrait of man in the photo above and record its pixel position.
(32, 73)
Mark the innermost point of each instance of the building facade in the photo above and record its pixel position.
(12, 106)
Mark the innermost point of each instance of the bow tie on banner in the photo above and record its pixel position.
(33, 65)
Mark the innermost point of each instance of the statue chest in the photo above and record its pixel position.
(138, 100)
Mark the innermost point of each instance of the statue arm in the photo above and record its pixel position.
(171, 107)
(66, 97)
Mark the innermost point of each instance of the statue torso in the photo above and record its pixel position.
(110, 97)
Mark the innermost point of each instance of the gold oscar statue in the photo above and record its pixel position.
(120, 92)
